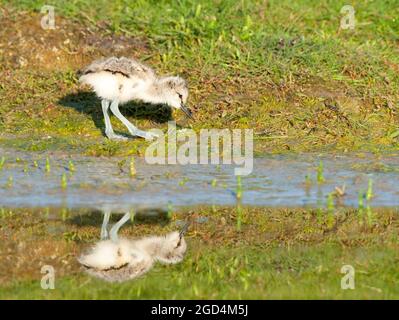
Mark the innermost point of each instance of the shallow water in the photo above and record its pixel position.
(276, 181)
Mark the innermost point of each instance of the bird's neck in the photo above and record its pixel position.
(153, 93)
(152, 246)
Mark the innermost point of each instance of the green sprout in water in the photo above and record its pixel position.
(64, 181)
(360, 203)
(2, 161)
(369, 193)
(47, 167)
(132, 215)
(35, 164)
(363, 203)
(214, 182)
(320, 174)
(183, 181)
(71, 166)
(64, 214)
(239, 188)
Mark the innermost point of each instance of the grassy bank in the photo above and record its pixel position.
(284, 69)
(278, 253)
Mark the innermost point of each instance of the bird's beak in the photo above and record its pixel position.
(184, 229)
(187, 111)
(183, 232)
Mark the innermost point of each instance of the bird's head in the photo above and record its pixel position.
(173, 247)
(175, 92)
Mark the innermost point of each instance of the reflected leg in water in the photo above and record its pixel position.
(113, 234)
(104, 230)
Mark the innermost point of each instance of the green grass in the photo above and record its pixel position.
(243, 273)
(282, 68)
(278, 253)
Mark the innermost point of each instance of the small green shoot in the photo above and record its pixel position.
(64, 214)
(239, 216)
(369, 193)
(2, 161)
(183, 181)
(360, 204)
(320, 172)
(47, 168)
(64, 181)
(132, 215)
(330, 203)
(71, 166)
(239, 188)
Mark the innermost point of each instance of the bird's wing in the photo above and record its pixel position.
(127, 272)
(124, 66)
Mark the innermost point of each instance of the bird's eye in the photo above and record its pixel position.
(180, 96)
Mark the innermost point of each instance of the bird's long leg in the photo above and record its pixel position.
(104, 231)
(113, 234)
(132, 129)
(108, 127)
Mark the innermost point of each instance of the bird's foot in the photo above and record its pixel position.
(151, 136)
(114, 136)
(145, 134)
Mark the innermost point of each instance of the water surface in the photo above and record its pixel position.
(276, 181)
